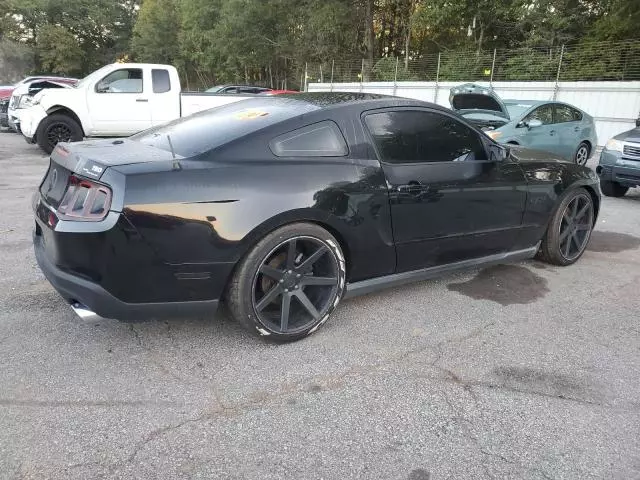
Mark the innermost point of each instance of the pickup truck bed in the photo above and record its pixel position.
(117, 100)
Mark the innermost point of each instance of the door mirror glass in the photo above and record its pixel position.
(534, 123)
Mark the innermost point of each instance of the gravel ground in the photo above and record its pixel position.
(520, 371)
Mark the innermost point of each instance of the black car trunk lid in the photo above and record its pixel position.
(90, 160)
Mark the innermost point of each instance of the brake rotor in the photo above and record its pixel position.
(277, 262)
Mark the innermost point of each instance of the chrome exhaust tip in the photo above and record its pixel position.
(83, 312)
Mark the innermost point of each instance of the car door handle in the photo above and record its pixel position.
(552, 133)
(142, 99)
(576, 129)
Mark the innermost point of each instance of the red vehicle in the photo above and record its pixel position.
(278, 92)
(37, 81)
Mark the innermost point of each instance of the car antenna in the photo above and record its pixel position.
(176, 163)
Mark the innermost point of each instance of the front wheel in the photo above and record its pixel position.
(289, 283)
(57, 128)
(612, 189)
(570, 229)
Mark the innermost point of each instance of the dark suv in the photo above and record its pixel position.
(619, 166)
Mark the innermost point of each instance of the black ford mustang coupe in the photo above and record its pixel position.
(282, 206)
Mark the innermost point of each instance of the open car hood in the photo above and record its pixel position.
(472, 98)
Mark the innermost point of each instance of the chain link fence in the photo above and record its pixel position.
(613, 61)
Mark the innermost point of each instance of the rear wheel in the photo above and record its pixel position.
(289, 283)
(612, 189)
(58, 128)
(570, 229)
(582, 154)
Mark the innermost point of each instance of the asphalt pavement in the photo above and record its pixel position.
(524, 371)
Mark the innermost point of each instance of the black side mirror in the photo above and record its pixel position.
(497, 153)
(638, 122)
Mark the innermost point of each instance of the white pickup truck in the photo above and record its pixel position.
(117, 100)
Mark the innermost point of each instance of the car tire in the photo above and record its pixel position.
(569, 231)
(297, 270)
(612, 189)
(57, 128)
(582, 154)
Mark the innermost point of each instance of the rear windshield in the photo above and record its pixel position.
(212, 128)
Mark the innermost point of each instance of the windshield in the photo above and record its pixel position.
(517, 109)
(215, 89)
(212, 128)
(97, 74)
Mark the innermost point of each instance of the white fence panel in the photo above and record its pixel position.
(614, 105)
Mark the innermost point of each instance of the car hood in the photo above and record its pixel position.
(470, 98)
(528, 155)
(57, 92)
(629, 136)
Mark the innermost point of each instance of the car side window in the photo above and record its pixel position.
(417, 136)
(160, 80)
(543, 113)
(126, 80)
(322, 139)
(564, 113)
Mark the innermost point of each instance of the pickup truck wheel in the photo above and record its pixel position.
(57, 128)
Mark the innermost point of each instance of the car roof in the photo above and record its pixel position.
(535, 103)
(513, 101)
(364, 101)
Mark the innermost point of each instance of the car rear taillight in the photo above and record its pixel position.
(85, 200)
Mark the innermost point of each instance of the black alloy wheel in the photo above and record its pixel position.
(58, 127)
(58, 132)
(295, 284)
(289, 283)
(570, 229)
(575, 227)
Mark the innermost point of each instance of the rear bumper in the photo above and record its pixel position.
(79, 290)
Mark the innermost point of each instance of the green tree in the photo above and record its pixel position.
(59, 51)
(616, 20)
(155, 34)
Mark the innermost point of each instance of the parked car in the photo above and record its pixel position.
(554, 127)
(6, 92)
(116, 100)
(5, 96)
(619, 165)
(23, 93)
(282, 206)
(250, 89)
